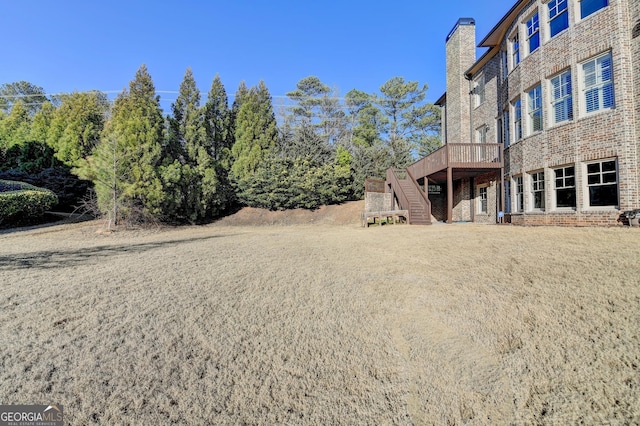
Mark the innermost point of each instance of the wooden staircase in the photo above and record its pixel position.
(417, 213)
(409, 196)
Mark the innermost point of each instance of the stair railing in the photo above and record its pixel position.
(423, 198)
(403, 198)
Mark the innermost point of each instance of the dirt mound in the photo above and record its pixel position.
(342, 214)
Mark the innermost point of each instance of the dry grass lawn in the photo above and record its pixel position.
(323, 324)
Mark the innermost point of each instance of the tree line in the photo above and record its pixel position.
(205, 158)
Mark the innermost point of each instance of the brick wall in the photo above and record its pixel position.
(609, 134)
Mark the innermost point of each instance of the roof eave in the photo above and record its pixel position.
(496, 34)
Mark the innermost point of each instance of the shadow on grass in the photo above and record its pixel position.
(63, 259)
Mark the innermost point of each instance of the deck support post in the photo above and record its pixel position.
(449, 195)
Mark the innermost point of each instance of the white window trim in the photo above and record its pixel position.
(508, 194)
(553, 189)
(513, 119)
(479, 90)
(553, 101)
(578, 12)
(529, 112)
(479, 199)
(506, 126)
(532, 191)
(548, 20)
(582, 88)
(528, 37)
(512, 63)
(585, 186)
(481, 133)
(516, 207)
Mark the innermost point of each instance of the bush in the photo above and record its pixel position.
(285, 183)
(19, 200)
(68, 188)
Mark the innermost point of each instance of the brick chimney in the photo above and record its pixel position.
(461, 55)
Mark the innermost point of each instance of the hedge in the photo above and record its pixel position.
(21, 200)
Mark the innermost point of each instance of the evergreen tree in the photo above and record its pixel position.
(192, 185)
(411, 121)
(41, 124)
(31, 96)
(217, 120)
(241, 94)
(15, 127)
(76, 125)
(130, 152)
(255, 132)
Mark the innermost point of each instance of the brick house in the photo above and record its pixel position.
(544, 127)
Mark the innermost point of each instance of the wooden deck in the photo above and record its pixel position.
(459, 156)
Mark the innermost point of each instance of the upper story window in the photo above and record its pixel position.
(504, 64)
(535, 109)
(598, 84)
(515, 50)
(479, 90)
(517, 119)
(562, 98)
(587, 7)
(505, 124)
(533, 33)
(481, 134)
(558, 16)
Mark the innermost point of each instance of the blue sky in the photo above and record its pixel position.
(84, 45)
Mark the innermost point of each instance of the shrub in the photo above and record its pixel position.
(68, 188)
(19, 200)
(285, 183)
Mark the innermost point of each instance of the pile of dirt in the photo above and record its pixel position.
(341, 214)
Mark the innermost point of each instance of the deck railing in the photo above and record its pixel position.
(393, 180)
(459, 155)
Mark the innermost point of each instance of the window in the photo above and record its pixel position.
(482, 199)
(505, 124)
(504, 63)
(558, 16)
(535, 109)
(515, 50)
(507, 196)
(481, 134)
(479, 90)
(587, 7)
(533, 33)
(602, 180)
(598, 84)
(517, 120)
(519, 194)
(565, 186)
(537, 190)
(562, 100)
